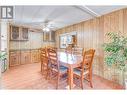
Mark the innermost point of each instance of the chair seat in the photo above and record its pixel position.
(78, 72)
(85, 67)
(62, 69)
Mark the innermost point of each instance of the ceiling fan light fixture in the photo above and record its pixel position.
(46, 29)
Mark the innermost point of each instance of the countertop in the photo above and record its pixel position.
(23, 49)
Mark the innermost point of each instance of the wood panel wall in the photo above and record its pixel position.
(91, 34)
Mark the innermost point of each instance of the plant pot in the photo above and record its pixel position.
(0, 73)
(126, 84)
(125, 80)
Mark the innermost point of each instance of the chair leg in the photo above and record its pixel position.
(90, 77)
(67, 77)
(47, 72)
(58, 78)
(82, 82)
(41, 66)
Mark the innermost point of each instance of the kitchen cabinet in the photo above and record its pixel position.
(24, 34)
(35, 56)
(52, 36)
(15, 34)
(14, 58)
(49, 36)
(19, 57)
(18, 33)
(45, 36)
(25, 57)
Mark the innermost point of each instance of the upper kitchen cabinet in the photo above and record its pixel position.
(45, 36)
(24, 34)
(52, 36)
(49, 36)
(18, 33)
(15, 34)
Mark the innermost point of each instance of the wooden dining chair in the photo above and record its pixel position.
(44, 60)
(85, 71)
(54, 65)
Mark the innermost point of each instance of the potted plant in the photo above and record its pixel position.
(2, 55)
(116, 52)
(3, 58)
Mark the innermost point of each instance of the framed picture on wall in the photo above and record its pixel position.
(46, 36)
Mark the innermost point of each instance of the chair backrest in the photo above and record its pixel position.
(53, 58)
(43, 52)
(88, 60)
(44, 56)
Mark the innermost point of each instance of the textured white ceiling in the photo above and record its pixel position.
(58, 16)
(105, 9)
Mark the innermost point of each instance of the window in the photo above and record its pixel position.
(66, 39)
(63, 41)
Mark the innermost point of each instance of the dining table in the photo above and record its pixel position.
(70, 61)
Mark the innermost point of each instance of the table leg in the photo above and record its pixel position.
(70, 77)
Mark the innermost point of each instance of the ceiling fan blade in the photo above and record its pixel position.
(34, 22)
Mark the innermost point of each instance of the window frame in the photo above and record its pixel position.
(66, 34)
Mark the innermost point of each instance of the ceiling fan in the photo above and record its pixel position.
(46, 25)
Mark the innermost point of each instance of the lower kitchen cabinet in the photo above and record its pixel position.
(18, 57)
(25, 57)
(35, 56)
(14, 58)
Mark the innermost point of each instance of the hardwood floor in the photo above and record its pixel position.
(29, 77)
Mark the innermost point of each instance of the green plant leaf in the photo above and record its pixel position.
(116, 50)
